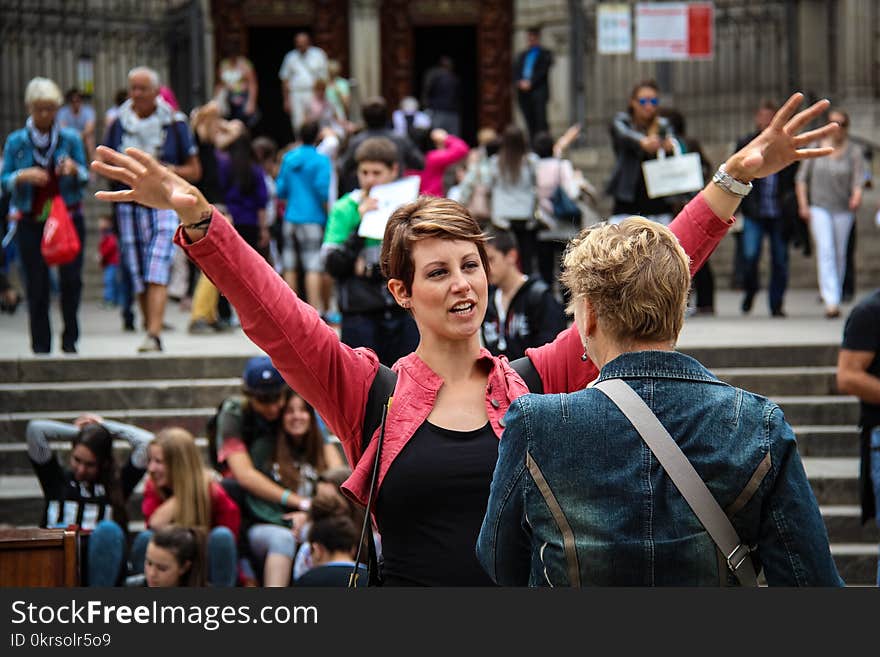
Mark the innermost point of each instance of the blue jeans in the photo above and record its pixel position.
(112, 285)
(106, 554)
(221, 550)
(752, 241)
(875, 479)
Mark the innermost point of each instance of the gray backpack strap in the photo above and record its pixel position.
(685, 478)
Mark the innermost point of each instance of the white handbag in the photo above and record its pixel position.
(679, 174)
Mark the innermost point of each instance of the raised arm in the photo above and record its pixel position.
(701, 224)
(331, 376)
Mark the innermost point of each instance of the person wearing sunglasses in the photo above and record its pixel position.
(637, 134)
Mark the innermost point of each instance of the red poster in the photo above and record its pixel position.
(700, 30)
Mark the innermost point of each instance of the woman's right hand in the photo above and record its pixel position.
(150, 184)
(804, 213)
(36, 176)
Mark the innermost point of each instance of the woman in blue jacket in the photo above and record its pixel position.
(579, 499)
(40, 162)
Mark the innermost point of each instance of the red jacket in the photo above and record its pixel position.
(224, 511)
(335, 379)
(437, 161)
(108, 248)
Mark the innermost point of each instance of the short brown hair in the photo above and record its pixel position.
(426, 217)
(635, 275)
(377, 149)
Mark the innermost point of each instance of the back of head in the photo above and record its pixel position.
(187, 544)
(335, 534)
(421, 137)
(308, 133)
(377, 149)
(511, 153)
(635, 275)
(502, 240)
(375, 113)
(542, 144)
(265, 149)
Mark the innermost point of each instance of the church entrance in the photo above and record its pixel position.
(459, 43)
(475, 34)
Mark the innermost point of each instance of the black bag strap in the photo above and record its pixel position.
(375, 414)
(526, 369)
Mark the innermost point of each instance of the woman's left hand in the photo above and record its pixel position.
(779, 145)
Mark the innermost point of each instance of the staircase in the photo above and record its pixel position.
(162, 391)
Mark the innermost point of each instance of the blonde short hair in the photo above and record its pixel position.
(634, 274)
(42, 89)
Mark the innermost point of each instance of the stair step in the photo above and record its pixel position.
(830, 440)
(781, 381)
(53, 369)
(117, 394)
(844, 524)
(856, 562)
(14, 425)
(14, 459)
(770, 355)
(834, 480)
(819, 409)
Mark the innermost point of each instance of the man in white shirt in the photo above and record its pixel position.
(301, 67)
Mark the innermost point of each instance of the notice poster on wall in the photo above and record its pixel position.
(614, 29)
(675, 31)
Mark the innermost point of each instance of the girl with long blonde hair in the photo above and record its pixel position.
(182, 492)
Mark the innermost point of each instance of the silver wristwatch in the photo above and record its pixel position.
(730, 184)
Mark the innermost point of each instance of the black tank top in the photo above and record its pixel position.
(431, 506)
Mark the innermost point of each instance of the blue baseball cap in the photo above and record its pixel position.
(260, 376)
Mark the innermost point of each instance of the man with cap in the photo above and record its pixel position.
(242, 421)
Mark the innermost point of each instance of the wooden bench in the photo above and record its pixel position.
(31, 557)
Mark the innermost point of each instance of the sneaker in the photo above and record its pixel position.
(201, 327)
(778, 312)
(150, 343)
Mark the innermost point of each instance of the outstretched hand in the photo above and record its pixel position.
(150, 183)
(780, 144)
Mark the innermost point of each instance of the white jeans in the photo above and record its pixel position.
(830, 233)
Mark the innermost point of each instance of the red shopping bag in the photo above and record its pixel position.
(60, 244)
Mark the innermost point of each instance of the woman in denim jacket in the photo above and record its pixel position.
(41, 161)
(441, 437)
(578, 498)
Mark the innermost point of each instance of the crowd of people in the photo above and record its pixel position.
(465, 297)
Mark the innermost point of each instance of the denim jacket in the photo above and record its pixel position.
(578, 497)
(18, 154)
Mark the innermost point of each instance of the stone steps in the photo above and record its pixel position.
(157, 393)
(12, 425)
(185, 390)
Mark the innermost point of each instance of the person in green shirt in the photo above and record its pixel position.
(370, 316)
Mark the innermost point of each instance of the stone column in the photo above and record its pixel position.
(365, 48)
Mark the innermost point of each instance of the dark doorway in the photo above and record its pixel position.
(459, 42)
(267, 48)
